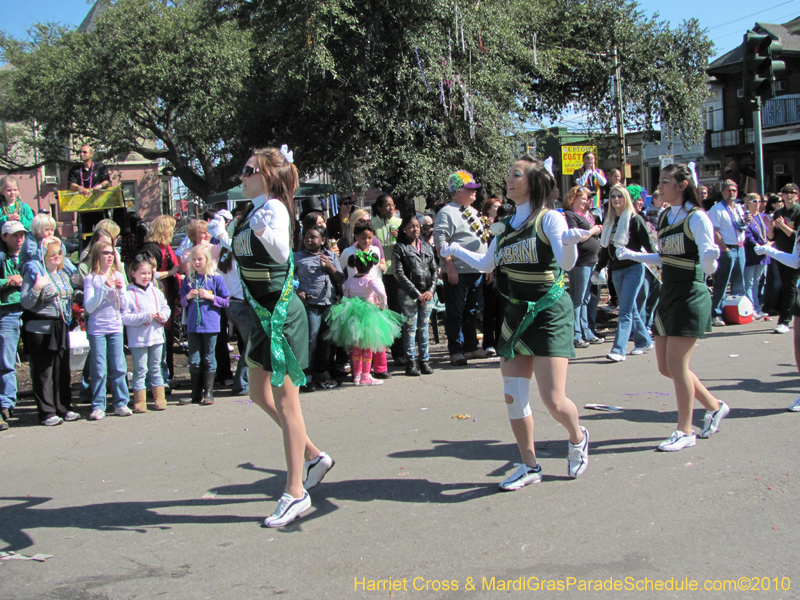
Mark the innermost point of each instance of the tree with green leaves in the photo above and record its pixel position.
(395, 94)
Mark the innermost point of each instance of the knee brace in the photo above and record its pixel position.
(519, 390)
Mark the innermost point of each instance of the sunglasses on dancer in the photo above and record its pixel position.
(248, 171)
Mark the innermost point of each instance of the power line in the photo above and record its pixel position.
(748, 16)
(793, 14)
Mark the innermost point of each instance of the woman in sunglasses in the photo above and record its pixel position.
(262, 249)
(337, 224)
(47, 303)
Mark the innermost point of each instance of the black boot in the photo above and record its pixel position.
(425, 368)
(208, 384)
(412, 370)
(197, 389)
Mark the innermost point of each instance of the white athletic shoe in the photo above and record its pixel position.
(712, 418)
(638, 351)
(123, 411)
(578, 456)
(614, 357)
(317, 469)
(523, 476)
(781, 328)
(678, 441)
(796, 406)
(289, 508)
(97, 414)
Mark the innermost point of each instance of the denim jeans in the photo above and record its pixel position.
(415, 329)
(108, 366)
(317, 359)
(461, 307)
(201, 352)
(730, 269)
(239, 315)
(10, 321)
(580, 290)
(648, 298)
(752, 283)
(147, 367)
(627, 283)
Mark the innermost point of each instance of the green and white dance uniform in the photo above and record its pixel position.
(686, 253)
(530, 260)
(266, 268)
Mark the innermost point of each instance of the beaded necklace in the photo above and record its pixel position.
(64, 290)
(198, 286)
(10, 209)
(480, 225)
(761, 226)
(91, 174)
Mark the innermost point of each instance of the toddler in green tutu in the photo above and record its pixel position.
(361, 323)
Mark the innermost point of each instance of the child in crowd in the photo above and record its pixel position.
(361, 323)
(43, 229)
(10, 317)
(103, 300)
(204, 295)
(144, 314)
(318, 272)
(365, 241)
(415, 270)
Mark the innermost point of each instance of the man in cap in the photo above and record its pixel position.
(456, 222)
(10, 317)
(785, 222)
(730, 221)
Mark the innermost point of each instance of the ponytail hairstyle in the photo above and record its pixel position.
(280, 177)
(138, 261)
(401, 232)
(540, 186)
(680, 172)
(362, 262)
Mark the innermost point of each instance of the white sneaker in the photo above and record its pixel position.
(677, 441)
(490, 351)
(712, 418)
(317, 469)
(796, 406)
(289, 508)
(781, 328)
(614, 357)
(638, 351)
(718, 322)
(71, 416)
(523, 476)
(123, 411)
(97, 414)
(578, 456)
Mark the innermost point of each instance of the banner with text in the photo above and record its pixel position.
(572, 157)
(98, 200)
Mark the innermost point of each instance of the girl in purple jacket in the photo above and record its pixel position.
(204, 295)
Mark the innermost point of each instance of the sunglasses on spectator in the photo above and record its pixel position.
(248, 171)
(107, 253)
(345, 204)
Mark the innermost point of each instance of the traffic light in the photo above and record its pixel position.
(761, 65)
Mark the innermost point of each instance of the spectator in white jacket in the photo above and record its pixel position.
(144, 314)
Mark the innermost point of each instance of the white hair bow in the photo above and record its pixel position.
(287, 154)
(548, 165)
(692, 166)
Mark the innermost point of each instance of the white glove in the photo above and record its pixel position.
(598, 277)
(624, 253)
(216, 226)
(761, 250)
(260, 220)
(449, 249)
(573, 236)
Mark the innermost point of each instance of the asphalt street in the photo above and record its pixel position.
(169, 505)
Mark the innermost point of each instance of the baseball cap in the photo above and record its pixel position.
(13, 227)
(789, 188)
(226, 214)
(461, 179)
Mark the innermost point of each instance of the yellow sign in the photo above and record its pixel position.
(572, 157)
(99, 200)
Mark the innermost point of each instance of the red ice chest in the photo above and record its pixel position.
(737, 310)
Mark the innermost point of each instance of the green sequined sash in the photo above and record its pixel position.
(281, 354)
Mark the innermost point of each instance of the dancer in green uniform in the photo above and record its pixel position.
(531, 250)
(278, 348)
(686, 253)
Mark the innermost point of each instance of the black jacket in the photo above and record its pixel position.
(415, 271)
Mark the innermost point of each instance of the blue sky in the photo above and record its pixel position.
(726, 19)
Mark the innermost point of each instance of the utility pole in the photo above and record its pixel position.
(623, 154)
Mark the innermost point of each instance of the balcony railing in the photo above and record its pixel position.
(781, 111)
